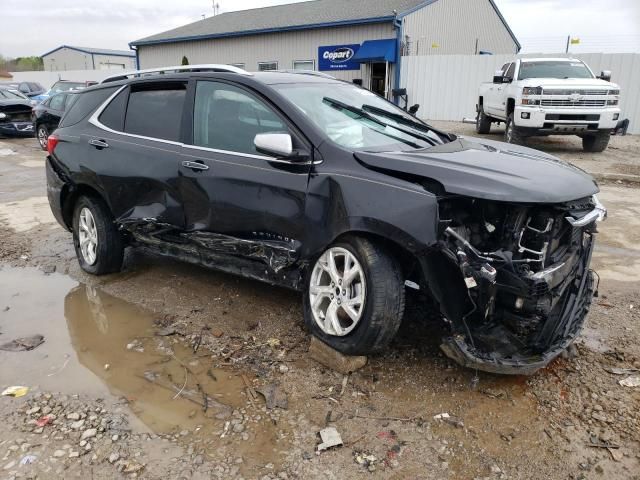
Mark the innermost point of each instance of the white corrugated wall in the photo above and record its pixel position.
(454, 26)
(446, 86)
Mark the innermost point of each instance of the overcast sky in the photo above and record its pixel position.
(34, 27)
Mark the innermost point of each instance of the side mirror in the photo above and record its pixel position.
(605, 75)
(414, 109)
(275, 144)
(498, 77)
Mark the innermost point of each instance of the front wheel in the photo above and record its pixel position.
(354, 297)
(596, 143)
(43, 135)
(511, 133)
(98, 243)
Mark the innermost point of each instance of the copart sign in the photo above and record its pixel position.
(338, 57)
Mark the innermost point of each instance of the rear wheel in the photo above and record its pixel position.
(483, 123)
(597, 142)
(511, 133)
(98, 243)
(354, 297)
(43, 135)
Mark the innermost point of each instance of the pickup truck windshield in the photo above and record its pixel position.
(359, 119)
(64, 86)
(550, 69)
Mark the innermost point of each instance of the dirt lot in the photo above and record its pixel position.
(154, 372)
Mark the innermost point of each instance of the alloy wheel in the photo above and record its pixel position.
(88, 236)
(337, 292)
(42, 137)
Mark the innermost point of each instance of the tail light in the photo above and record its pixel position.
(52, 142)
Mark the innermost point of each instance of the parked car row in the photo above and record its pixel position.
(27, 109)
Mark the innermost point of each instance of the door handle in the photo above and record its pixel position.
(195, 165)
(99, 144)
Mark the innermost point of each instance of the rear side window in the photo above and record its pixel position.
(155, 110)
(82, 104)
(113, 115)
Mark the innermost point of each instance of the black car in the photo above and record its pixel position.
(15, 114)
(46, 115)
(321, 186)
(30, 89)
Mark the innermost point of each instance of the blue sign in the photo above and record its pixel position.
(338, 57)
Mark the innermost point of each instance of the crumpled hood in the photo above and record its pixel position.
(490, 170)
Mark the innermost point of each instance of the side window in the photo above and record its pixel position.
(80, 105)
(511, 70)
(155, 110)
(113, 115)
(57, 102)
(228, 118)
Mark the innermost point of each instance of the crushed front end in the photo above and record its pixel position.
(515, 280)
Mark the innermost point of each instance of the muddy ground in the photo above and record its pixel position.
(155, 372)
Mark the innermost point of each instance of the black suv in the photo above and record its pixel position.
(321, 186)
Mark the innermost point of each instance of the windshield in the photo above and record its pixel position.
(359, 119)
(549, 69)
(6, 94)
(64, 86)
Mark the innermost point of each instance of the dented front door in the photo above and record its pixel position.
(232, 192)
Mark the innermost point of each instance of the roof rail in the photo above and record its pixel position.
(314, 73)
(175, 69)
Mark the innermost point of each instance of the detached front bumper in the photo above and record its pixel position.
(550, 120)
(17, 129)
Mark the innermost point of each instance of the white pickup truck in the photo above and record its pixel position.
(550, 96)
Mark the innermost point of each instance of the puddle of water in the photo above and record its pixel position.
(86, 329)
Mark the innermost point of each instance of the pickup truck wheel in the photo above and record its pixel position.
(511, 134)
(98, 243)
(354, 297)
(43, 134)
(483, 123)
(596, 143)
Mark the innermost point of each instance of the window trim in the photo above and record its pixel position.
(268, 63)
(94, 120)
(313, 63)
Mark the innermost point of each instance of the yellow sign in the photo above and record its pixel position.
(575, 41)
(435, 45)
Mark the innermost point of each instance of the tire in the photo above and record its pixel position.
(109, 244)
(511, 133)
(483, 123)
(380, 312)
(596, 143)
(42, 134)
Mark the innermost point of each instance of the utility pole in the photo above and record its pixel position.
(568, 42)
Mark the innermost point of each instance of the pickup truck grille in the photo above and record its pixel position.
(571, 91)
(565, 102)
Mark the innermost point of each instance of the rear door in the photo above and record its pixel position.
(233, 189)
(134, 149)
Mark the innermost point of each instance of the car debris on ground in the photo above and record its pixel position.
(330, 438)
(23, 343)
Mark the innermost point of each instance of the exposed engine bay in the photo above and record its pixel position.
(523, 274)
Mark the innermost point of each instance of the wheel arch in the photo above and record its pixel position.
(71, 194)
(511, 106)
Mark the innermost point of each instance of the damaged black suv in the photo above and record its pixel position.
(321, 186)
